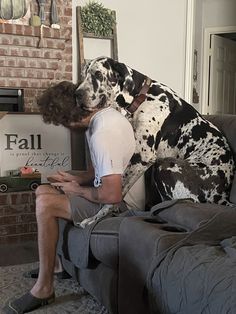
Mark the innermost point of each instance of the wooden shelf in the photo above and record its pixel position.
(81, 35)
(91, 35)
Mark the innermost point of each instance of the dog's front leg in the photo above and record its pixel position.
(104, 211)
(132, 173)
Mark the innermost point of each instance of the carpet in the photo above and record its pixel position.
(70, 297)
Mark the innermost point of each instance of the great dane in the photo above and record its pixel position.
(190, 156)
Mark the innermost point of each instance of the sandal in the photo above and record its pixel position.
(27, 303)
(35, 272)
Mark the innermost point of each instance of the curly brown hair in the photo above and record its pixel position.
(57, 104)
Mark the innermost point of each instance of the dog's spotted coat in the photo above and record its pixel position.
(191, 157)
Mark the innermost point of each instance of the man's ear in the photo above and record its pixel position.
(124, 74)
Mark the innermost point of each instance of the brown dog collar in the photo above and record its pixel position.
(139, 99)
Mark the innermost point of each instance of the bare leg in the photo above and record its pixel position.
(48, 208)
(48, 189)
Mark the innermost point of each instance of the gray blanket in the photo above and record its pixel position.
(197, 274)
(179, 272)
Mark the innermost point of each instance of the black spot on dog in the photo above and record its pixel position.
(153, 119)
(99, 76)
(225, 158)
(185, 140)
(201, 196)
(121, 101)
(199, 131)
(163, 98)
(95, 83)
(155, 90)
(150, 98)
(136, 158)
(106, 65)
(217, 197)
(221, 174)
(150, 140)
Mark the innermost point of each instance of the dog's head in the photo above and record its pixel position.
(107, 83)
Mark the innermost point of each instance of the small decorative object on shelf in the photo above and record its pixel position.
(35, 20)
(15, 12)
(54, 15)
(97, 19)
(41, 10)
(12, 9)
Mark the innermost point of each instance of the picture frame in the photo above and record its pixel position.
(27, 143)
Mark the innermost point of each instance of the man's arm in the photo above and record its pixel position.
(82, 177)
(110, 192)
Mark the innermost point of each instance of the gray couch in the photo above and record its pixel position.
(177, 258)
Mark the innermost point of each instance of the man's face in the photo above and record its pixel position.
(83, 123)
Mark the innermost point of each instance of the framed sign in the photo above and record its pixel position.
(33, 147)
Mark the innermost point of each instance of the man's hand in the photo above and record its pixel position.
(71, 187)
(62, 176)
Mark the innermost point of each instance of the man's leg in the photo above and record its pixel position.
(48, 189)
(49, 206)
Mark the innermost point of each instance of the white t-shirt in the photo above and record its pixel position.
(111, 143)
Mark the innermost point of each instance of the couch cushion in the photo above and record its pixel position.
(101, 242)
(104, 241)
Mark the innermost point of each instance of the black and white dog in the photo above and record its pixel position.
(192, 158)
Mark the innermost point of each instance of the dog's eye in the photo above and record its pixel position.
(99, 76)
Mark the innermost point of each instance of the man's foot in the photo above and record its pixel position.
(35, 272)
(26, 303)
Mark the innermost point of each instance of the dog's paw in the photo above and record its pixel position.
(86, 222)
(101, 213)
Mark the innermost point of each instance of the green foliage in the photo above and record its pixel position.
(97, 19)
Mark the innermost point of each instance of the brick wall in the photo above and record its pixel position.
(17, 217)
(23, 64)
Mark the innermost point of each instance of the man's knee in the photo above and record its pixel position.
(45, 189)
(44, 202)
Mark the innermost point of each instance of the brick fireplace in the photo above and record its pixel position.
(32, 58)
(24, 65)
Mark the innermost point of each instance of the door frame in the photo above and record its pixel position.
(189, 44)
(206, 61)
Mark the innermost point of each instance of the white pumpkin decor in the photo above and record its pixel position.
(15, 11)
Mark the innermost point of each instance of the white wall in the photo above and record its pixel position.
(219, 13)
(211, 13)
(151, 38)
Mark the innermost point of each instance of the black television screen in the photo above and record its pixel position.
(11, 99)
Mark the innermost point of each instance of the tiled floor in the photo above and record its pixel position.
(20, 253)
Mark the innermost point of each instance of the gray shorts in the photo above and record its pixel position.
(82, 208)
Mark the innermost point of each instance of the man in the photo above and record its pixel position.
(111, 143)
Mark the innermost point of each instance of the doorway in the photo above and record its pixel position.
(219, 71)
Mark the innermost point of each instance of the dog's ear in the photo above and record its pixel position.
(124, 74)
